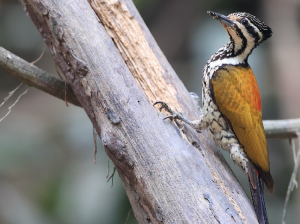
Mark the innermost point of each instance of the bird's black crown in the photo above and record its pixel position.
(263, 28)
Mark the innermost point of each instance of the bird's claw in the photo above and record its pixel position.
(172, 117)
(163, 106)
(167, 108)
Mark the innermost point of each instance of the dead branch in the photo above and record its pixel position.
(293, 182)
(11, 93)
(282, 128)
(34, 76)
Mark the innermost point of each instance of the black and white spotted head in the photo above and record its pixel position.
(245, 32)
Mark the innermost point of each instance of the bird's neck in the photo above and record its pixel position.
(226, 55)
(232, 53)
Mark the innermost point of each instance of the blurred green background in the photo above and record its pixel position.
(47, 174)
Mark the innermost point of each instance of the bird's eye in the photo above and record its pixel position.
(245, 22)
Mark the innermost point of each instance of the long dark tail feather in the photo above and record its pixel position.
(258, 201)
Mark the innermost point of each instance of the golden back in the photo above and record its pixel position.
(237, 95)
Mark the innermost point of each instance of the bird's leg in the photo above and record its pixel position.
(198, 124)
(238, 155)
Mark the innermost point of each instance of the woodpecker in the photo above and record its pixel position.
(232, 103)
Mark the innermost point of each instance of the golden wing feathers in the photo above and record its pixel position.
(237, 96)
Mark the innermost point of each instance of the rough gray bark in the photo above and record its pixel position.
(171, 175)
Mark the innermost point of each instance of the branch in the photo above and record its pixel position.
(36, 77)
(293, 182)
(282, 128)
(11, 93)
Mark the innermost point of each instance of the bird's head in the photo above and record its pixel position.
(245, 31)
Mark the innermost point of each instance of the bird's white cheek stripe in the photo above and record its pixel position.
(250, 44)
(238, 42)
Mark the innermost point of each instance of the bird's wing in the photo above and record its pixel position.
(237, 96)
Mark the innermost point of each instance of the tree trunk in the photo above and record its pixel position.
(171, 173)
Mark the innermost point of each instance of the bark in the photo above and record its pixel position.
(170, 174)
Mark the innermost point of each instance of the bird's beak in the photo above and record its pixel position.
(223, 19)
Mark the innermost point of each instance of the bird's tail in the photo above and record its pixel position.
(256, 189)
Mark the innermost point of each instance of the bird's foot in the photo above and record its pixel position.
(165, 106)
(196, 124)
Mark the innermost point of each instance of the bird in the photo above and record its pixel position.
(231, 104)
